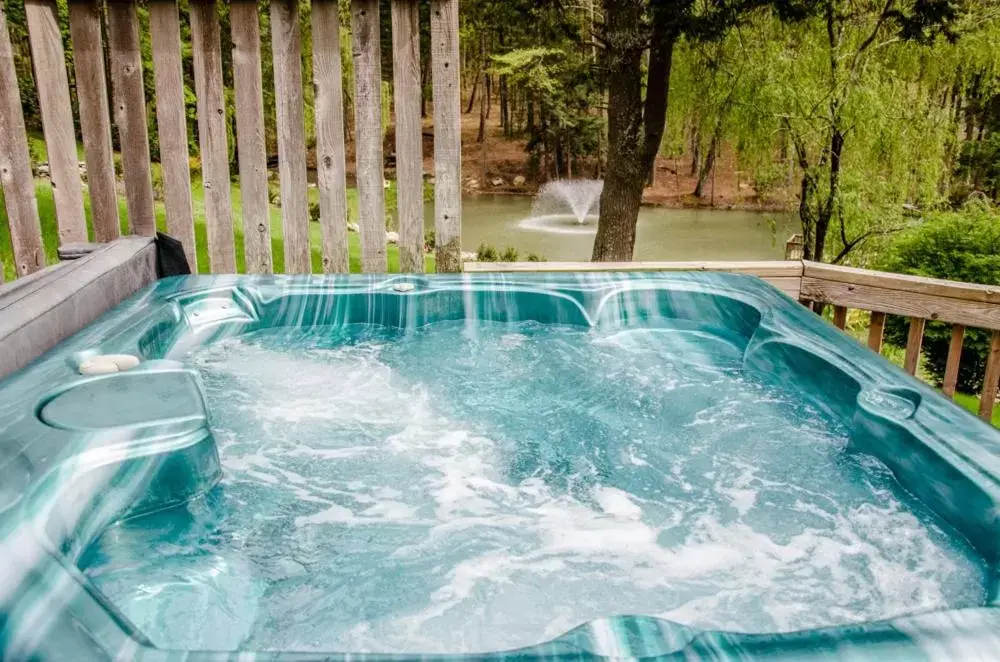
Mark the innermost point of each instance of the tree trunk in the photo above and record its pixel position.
(635, 127)
(708, 167)
(472, 97)
(530, 117)
(488, 90)
(482, 118)
(504, 107)
(695, 151)
(423, 90)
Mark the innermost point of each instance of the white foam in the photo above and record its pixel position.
(486, 558)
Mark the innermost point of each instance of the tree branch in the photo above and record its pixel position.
(850, 245)
(883, 17)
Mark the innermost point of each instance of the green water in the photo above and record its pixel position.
(663, 234)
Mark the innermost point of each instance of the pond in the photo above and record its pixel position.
(663, 234)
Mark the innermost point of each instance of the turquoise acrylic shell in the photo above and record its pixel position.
(80, 453)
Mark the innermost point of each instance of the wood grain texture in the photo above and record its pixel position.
(991, 380)
(409, 133)
(252, 151)
(368, 130)
(95, 117)
(447, 135)
(331, 176)
(212, 135)
(876, 331)
(908, 304)
(761, 269)
(840, 317)
(171, 122)
(15, 167)
(69, 296)
(129, 98)
(914, 340)
(954, 360)
(904, 283)
(52, 83)
(286, 46)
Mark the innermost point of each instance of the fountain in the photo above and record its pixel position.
(565, 205)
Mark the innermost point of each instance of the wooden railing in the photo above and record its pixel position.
(127, 113)
(918, 299)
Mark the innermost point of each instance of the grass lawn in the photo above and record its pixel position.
(971, 402)
(47, 214)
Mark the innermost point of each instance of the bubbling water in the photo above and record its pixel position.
(440, 490)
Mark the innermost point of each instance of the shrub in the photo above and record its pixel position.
(962, 245)
(509, 254)
(487, 253)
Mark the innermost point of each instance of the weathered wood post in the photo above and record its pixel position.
(409, 133)
(368, 128)
(95, 116)
(286, 46)
(129, 98)
(212, 135)
(171, 121)
(57, 117)
(331, 170)
(15, 167)
(447, 135)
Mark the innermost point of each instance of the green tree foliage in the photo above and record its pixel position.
(564, 101)
(959, 245)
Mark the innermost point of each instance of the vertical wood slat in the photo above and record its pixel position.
(15, 167)
(368, 128)
(95, 116)
(447, 135)
(409, 133)
(52, 83)
(840, 317)
(171, 122)
(913, 343)
(250, 135)
(330, 154)
(954, 360)
(286, 45)
(129, 98)
(991, 380)
(212, 135)
(876, 329)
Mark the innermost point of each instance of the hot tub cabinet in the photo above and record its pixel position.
(83, 450)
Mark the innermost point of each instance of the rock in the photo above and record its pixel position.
(497, 181)
(519, 181)
(472, 184)
(392, 237)
(43, 169)
(469, 257)
(386, 183)
(353, 227)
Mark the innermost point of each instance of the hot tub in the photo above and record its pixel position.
(601, 465)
